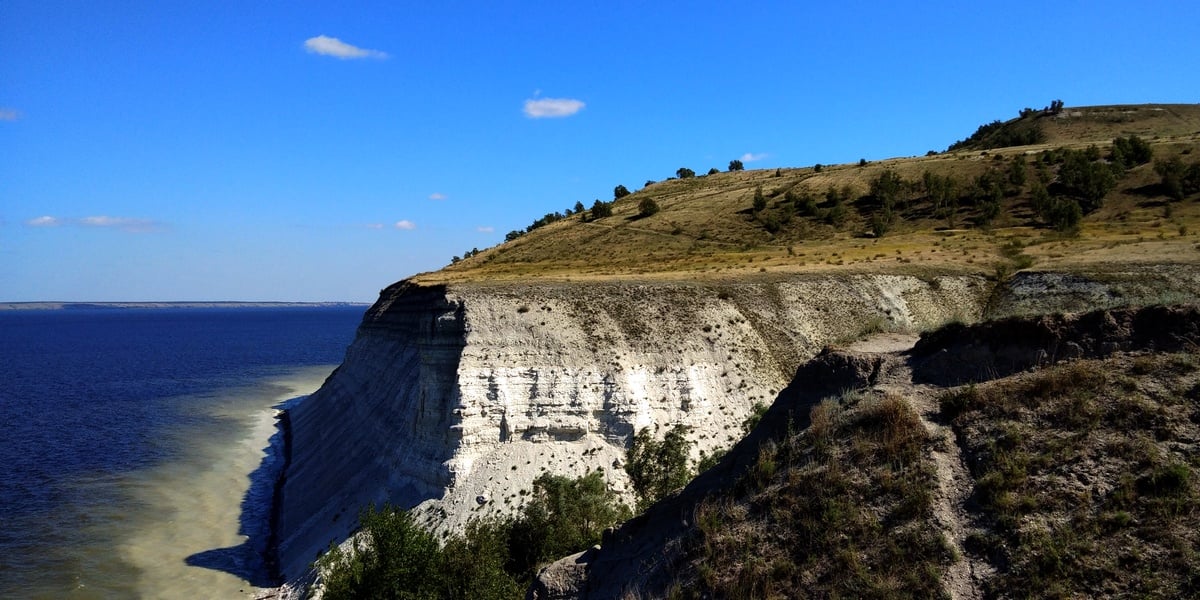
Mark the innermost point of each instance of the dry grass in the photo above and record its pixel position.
(707, 230)
(1086, 481)
(842, 510)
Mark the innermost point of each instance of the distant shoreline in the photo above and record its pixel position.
(133, 305)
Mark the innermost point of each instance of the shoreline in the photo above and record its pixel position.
(283, 424)
(212, 529)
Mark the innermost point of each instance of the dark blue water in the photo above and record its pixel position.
(88, 394)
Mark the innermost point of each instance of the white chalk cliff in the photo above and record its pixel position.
(454, 399)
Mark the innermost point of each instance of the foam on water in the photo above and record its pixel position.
(195, 526)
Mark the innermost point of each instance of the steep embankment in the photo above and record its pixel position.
(545, 353)
(456, 398)
(869, 478)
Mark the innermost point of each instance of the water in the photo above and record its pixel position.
(134, 452)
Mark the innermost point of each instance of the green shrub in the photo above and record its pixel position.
(565, 516)
(760, 201)
(392, 557)
(658, 467)
(647, 207)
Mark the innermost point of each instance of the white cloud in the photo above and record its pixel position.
(437, 196)
(374, 225)
(46, 221)
(405, 224)
(331, 46)
(9, 114)
(550, 108)
(751, 157)
(485, 229)
(123, 223)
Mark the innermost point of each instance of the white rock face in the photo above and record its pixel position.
(454, 400)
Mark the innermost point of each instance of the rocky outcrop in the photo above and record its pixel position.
(453, 399)
(662, 551)
(961, 354)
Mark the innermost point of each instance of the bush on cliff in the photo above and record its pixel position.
(394, 557)
(656, 467)
(564, 517)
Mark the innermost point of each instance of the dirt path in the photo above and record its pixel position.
(964, 579)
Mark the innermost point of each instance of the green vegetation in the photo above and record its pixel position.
(600, 209)
(395, 558)
(1178, 180)
(620, 192)
(658, 467)
(685, 173)
(1023, 131)
(647, 207)
(735, 165)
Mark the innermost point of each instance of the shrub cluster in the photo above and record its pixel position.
(394, 557)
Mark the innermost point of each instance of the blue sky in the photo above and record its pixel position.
(156, 150)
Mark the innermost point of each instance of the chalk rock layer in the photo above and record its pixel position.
(453, 400)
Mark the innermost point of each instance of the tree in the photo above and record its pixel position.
(684, 173)
(579, 208)
(647, 207)
(1086, 179)
(713, 171)
(1131, 151)
(1016, 170)
(392, 557)
(620, 192)
(760, 201)
(601, 209)
(817, 168)
(563, 517)
(882, 221)
(735, 165)
(657, 468)
(1178, 180)
(887, 188)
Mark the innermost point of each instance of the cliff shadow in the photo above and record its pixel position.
(253, 560)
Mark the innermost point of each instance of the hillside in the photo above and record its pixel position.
(962, 211)
(891, 474)
(697, 298)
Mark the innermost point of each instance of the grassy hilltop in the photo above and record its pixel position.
(1062, 199)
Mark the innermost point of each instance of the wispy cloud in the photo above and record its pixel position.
(405, 224)
(437, 196)
(552, 108)
(129, 224)
(374, 225)
(9, 114)
(331, 46)
(751, 157)
(123, 223)
(485, 229)
(46, 221)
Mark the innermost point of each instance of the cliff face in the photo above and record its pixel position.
(453, 400)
